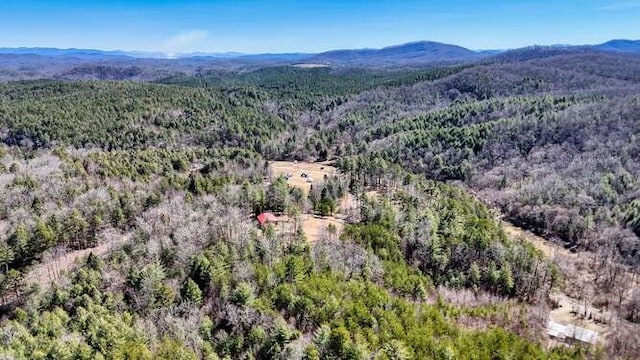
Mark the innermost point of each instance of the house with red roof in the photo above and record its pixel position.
(267, 218)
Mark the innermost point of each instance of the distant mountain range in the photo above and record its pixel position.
(111, 54)
(419, 51)
(626, 46)
(411, 53)
(76, 53)
(33, 63)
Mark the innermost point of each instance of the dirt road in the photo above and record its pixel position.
(570, 311)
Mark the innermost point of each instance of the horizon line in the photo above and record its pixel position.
(241, 53)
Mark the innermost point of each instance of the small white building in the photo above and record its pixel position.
(571, 333)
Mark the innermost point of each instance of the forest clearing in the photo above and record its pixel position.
(315, 172)
(314, 227)
(317, 227)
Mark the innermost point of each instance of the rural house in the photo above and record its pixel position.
(267, 218)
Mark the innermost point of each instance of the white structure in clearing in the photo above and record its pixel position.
(571, 332)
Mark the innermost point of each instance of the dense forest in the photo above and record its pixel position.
(157, 186)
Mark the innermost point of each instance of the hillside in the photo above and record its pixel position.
(482, 119)
(625, 46)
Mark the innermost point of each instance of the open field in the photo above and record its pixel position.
(549, 249)
(310, 66)
(315, 227)
(316, 172)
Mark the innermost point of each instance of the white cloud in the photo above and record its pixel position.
(184, 41)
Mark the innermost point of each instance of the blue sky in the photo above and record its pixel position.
(172, 26)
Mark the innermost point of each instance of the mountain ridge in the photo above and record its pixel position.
(620, 45)
(412, 52)
(72, 64)
(413, 48)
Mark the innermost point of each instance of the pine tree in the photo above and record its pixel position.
(44, 237)
(191, 292)
(19, 242)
